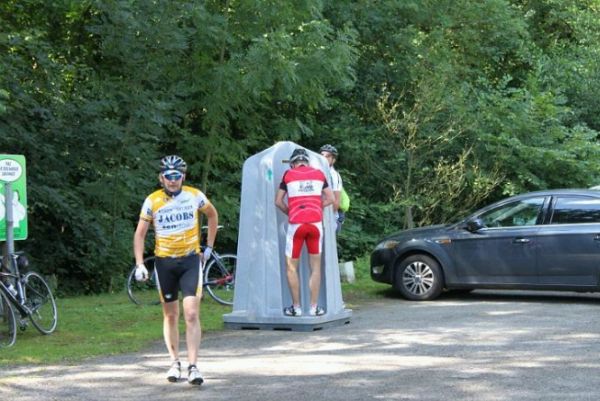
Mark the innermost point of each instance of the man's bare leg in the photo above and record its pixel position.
(314, 282)
(171, 329)
(293, 280)
(193, 331)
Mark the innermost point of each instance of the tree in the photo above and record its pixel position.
(113, 85)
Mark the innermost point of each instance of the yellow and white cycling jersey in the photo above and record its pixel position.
(175, 221)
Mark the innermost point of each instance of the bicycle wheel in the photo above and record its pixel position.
(219, 278)
(143, 292)
(39, 300)
(8, 324)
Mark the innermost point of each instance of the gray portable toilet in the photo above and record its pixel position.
(261, 288)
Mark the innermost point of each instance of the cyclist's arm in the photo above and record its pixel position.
(328, 198)
(213, 221)
(336, 187)
(279, 201)
(336, 201)
(138, 240)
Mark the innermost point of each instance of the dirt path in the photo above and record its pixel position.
(475, 347)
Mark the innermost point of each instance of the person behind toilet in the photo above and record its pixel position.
(330, 153)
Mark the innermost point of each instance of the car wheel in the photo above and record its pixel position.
(419, 278)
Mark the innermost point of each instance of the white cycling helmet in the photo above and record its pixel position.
(173, 162)
(329, 148)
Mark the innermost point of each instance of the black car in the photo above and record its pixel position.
(546, 240)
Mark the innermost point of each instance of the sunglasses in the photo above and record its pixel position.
(172, 176)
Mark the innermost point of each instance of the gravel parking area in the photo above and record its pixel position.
(481, 346)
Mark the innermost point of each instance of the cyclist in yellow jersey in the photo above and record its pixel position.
(173, 212)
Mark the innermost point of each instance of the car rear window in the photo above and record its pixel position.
(572, 210)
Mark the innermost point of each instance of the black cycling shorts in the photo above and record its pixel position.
(174, 274)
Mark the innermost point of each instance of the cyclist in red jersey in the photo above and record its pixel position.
(307, 194)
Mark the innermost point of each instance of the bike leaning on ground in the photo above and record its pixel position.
(218, 278)
(24, 297)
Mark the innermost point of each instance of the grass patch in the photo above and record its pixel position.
(91, 326)
(363, 289)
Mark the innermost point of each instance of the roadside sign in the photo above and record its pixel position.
(12, 170)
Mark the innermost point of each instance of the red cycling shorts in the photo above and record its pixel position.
(298, 234)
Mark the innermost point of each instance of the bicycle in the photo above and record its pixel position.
(218, 279)
(29, 295)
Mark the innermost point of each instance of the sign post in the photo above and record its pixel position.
(13, 200)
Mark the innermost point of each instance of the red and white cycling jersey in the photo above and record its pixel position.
(304, 186)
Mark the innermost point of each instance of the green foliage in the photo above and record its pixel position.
(97, 91)
(436, 107)
(530, 128)
(438, 148)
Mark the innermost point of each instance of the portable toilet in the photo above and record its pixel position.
(261, 288)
